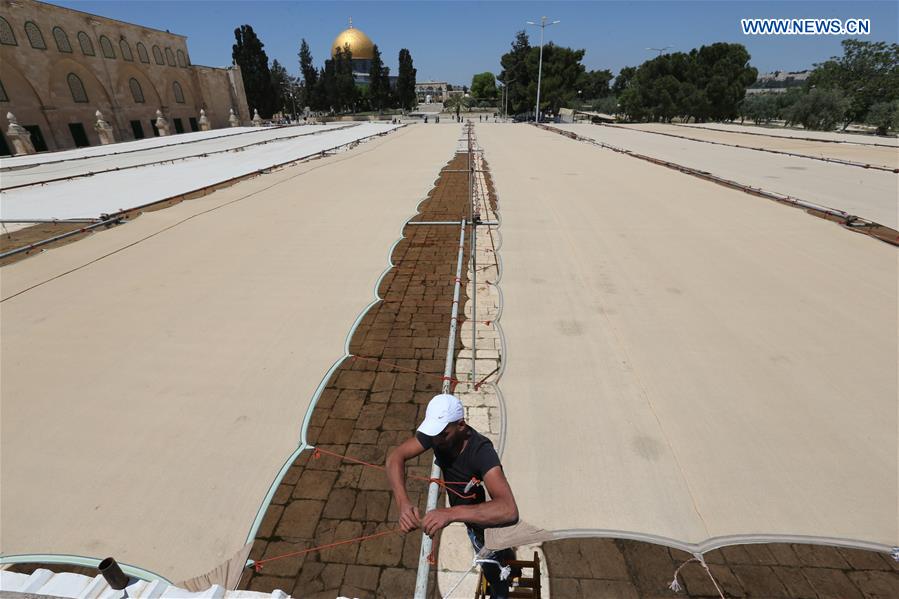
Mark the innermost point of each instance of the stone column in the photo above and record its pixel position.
(18, 136)
(204, 122)
(257, 120)
(162, 124)
(104, 130)
(233, 120)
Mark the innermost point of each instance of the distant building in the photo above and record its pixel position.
(431, 91)
(59, 66)
(778, 81)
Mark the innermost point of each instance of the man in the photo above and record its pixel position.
(462, 454)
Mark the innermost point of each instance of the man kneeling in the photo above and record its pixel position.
(463, 454)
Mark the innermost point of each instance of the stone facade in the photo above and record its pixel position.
(60, 66)
(436, 90)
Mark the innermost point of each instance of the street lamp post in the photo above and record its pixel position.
(543, 25)
(293, 97)
(659, 50)
(506, 97)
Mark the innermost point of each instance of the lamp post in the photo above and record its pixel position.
(293, 98)
(506, 97)
(543, 25)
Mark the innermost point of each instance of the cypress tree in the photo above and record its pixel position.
(281, 84)
(379, 77)
(309, 74)
(249, 55)
(405, 82)
(346, 83)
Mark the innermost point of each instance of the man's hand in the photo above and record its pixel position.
(409, 517)
(435, 520)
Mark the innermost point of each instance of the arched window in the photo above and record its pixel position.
(179, 93)
(126, 51)
(142, 53)
(106, 47)
(136, 92)
(87, 46)
(157, 55)
(170, 57)
(7, 37)
(3, 96)
(62, 40)
(77, 88)
(35, 37)
(182, 60)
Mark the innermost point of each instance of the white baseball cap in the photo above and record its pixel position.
(442, 409)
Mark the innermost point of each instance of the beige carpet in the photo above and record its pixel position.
(150, 396)
(687, 362)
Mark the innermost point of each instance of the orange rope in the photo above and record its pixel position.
(452, 380)
(317, 451)
(257, 564)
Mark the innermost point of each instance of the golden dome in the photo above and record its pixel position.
(359, 43)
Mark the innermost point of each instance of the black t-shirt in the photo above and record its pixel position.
(476, 459)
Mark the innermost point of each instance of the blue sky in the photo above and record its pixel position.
(451, 41)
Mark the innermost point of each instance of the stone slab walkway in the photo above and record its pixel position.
(590, 568)
(367, 408)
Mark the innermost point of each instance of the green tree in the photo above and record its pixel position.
(310, 76)
(625, 75)
(281, 87)
(867, 73)
(379, 82)
(483, 86)
(884, 116)
(723, 70)
(458, 102)
(516, 74)
(405, 81)
(819, 109)
(708, 83)
(247, 52)
(595, 84)
(760, 108)
(346, 84)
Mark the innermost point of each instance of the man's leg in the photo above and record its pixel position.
(499, 589)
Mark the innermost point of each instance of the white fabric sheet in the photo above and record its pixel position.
(110, 192)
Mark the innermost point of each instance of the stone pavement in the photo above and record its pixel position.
(591, 568)
(366, 409)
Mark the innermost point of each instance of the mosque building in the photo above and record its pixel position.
(362, 49)
(61, 66)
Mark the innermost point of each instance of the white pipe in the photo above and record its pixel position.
(424, 568)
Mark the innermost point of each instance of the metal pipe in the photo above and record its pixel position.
(489, 223)
(38, 244)
(474, 259)
(421, 579)
(49, 220)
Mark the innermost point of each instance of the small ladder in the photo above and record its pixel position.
(524, 588)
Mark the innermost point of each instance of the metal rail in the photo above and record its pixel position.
(424, 567)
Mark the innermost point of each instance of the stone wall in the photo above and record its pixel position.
(118, 78)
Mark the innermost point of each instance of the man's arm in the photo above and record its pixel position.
(409, 518)
(500, 510)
